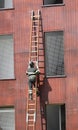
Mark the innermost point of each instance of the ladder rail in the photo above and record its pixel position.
(38, 34)
(32, 14)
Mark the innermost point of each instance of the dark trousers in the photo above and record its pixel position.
(31, 81)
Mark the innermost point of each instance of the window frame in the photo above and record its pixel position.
(54, 76)
(9, 109)
(51, 5)
(8, 8)
(60, 114)
(2, 79)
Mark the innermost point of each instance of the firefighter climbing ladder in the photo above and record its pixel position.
(33, 56)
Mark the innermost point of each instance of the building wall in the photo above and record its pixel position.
(53, 90)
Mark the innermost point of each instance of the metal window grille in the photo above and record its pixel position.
(54, 53)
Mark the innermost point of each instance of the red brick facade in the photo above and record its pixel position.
(53, 90)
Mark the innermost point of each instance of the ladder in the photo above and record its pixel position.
(33, 56)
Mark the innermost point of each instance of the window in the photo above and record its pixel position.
(55, 117)
(4, 4)
(1, 3)
(54, 53)
(6, 57)
(7, 119)
(48, 2)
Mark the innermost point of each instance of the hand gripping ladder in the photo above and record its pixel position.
(33, 56)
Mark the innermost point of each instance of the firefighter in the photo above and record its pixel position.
(32, 73)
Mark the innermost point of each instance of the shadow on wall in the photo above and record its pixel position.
(45, 89)
(43, 85)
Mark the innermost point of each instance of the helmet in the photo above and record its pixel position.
(31, 63)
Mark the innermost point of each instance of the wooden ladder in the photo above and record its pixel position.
(33, 56)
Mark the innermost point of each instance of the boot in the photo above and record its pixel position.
(38, 92)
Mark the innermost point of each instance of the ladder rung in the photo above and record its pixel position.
(33, 98)
(35, 36)
(34, 26)
(33, 51)
(33, 56)
(34, 46)
(31, 104)
(34, 41)
(30, 120)
(35, 21)
(30, 125)
(31, 109)
(30, 114)
(33, 31)
(36, 16)
(41, 49)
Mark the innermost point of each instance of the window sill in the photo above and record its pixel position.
(58, 76)
(53, 5)
(7, 79)
(4, 9)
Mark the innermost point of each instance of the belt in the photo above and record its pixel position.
(31, 74)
